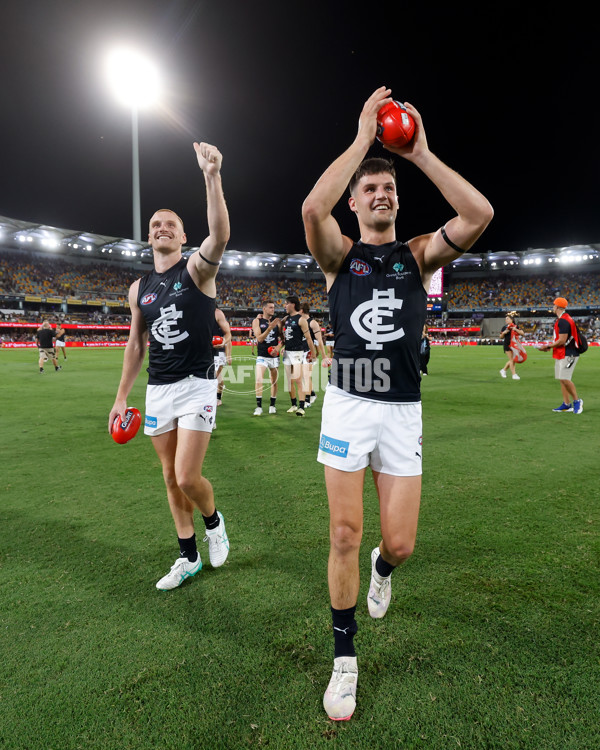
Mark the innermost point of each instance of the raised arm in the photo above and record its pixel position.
(133, 358)
(324, 238)
(204, 263)
(473, 211)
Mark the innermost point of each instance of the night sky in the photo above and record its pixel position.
(509, 98)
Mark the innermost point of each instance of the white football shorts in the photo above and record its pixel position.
(271, 362)
(356, 433)
(292, 357)
(220, 360)
(189, 403)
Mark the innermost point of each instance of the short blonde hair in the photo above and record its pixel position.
(170, 210)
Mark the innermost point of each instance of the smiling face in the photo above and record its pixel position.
(374, 201)
(166, 233)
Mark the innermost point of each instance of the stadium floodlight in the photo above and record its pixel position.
(133, 78)
(135, 82)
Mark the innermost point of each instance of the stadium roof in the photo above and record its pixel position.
(15, 233)
(544, 256)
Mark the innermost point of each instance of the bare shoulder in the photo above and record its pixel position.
(418, 246)
(133, 292)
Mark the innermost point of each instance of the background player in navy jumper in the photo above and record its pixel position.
(174, 308)
(295, 331)
(372, 411)
(266, 330)
(308, 362)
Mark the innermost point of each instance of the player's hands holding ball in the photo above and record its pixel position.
(367, 122)
(413, 132)
(209, 158)
(118, 410)
(412, 140)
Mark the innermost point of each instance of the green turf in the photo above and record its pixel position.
(491, 639)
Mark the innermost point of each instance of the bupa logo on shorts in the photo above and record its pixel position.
(148, 299)
(333, 446)
(151, 422)
(360, 267)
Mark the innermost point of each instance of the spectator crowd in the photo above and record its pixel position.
(241, 296)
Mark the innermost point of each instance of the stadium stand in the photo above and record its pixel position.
(62, 288)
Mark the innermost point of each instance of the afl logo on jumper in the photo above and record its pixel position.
(367, 319)
(162, 328)
(148, 299)
(360, 267)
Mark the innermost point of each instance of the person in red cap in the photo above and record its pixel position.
(565, 353)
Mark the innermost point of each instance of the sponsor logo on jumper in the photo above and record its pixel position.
(163, 328)
(399, 272)
(368, 319)
(333, 446)
(178, 289)
(360, 267)
(148, 299)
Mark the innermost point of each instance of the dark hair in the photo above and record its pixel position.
(268, 302)
(294, 300)
(374, 165)
(305, 307)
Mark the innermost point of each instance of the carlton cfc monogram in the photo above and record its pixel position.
(161, 328)
(367, 319)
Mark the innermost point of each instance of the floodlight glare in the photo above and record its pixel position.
(133, 78)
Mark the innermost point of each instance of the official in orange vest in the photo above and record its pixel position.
(565, 352)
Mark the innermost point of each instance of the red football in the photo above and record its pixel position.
(217, 340)
(123, 430)
(273, 351)
(395, 127)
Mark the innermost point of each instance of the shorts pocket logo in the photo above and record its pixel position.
(333, 446)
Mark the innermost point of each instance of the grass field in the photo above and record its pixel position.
(491, 640)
